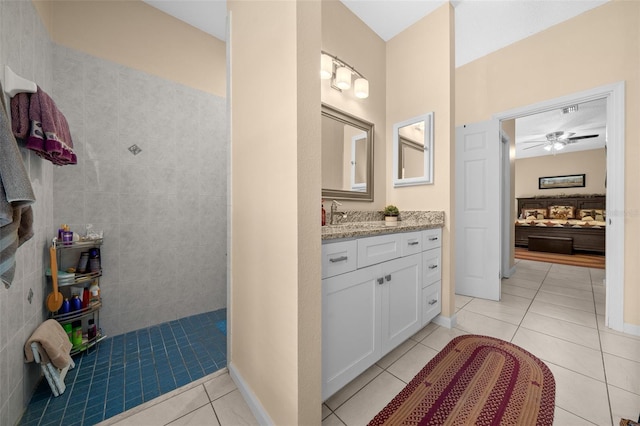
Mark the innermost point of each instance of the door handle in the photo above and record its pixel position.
(433, 238)
(380, 281)
(413, 243)
(387, 277)
(338, 259)
(433, 301)
(433, 266)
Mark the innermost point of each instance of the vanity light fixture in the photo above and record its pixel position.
(340, 73)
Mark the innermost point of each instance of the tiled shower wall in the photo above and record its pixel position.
(163, 211)
(25, 46)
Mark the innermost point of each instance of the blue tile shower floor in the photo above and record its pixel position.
(124, 371)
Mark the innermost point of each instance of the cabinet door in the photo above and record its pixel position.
(350, 326)
(401, 314)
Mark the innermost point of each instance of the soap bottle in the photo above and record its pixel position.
(65, 308)
(95, 292)
(76, 333)
(324, 214)
(86, 298)
(76, 303)
(91, 330)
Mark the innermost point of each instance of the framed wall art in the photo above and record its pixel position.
(568, 181)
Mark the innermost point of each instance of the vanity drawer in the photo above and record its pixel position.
(431, 266)
(431, 238)
(411, 243)
(339, 258)
(431, 303)
(378, 249)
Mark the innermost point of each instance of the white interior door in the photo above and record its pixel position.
(477, 222)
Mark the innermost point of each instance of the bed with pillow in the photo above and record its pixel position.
(579, 217)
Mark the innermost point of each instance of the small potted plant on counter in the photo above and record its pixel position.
(391, 213)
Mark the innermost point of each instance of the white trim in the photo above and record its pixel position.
(614, 93)
(447, 322)
(506, 273)
(427, 178)
(356, 186)
(631, 329)
(229, 187)
(505, 201)
(252, 401)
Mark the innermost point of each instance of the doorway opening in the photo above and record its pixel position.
(613, 95)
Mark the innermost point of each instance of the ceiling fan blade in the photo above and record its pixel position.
(535, 142)
(534, 146)
(575, 138)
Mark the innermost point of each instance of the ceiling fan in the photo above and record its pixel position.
(556, 141)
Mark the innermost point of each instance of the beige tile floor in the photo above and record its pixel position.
(212, 400)
(554, 311)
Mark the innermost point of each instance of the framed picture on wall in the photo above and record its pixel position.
(568, 181)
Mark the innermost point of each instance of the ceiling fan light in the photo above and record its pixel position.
(558, 146)
(547, 147)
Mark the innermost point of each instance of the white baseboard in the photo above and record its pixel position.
(252, 401)
(631, 329)
(447, 322)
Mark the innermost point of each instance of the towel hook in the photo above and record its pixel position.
(14, 84)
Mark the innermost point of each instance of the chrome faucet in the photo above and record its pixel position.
(335, 212)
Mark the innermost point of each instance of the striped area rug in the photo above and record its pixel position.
(586, 260)
(476, 380)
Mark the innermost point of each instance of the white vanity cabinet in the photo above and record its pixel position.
(350, 326)
(431, 275)
(374, 306)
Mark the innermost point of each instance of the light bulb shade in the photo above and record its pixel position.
(361, 88)
(547, 147)
(558, 146)
(326, 67)
(343, 78)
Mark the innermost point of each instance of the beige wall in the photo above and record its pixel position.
(139, 36)
(420, 80)
(275, 298)
(520, 75)
(592, 163)
(344, 35)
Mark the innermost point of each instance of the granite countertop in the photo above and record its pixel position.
(360, 227)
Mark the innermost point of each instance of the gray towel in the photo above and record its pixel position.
(16, 195)
(11, 237)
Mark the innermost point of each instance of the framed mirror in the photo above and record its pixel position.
(347, 156)
(413, 151)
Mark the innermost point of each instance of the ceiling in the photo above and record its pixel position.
(482, 26)
(589, 119)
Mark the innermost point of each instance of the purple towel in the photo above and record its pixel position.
(49, 134)
(20, 115)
